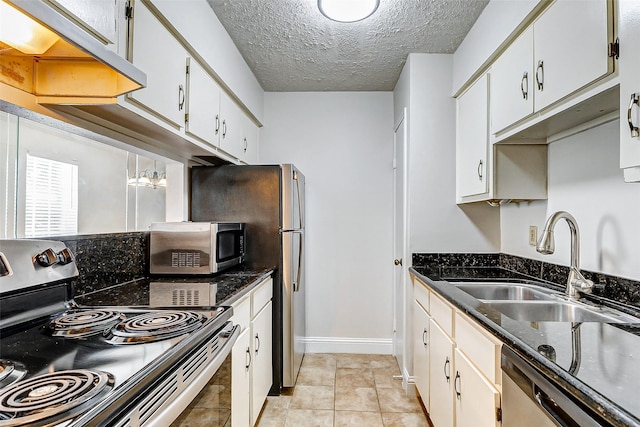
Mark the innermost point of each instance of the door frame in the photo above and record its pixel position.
(400, 294)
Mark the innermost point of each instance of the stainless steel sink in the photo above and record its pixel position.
(505, 291)
(532, 303)
(559, 311)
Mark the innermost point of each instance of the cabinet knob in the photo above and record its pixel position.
(397, 261)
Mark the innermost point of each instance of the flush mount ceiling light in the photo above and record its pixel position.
(23, 33)
(348, 10)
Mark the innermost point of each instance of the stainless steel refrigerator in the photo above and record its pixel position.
(270, 200)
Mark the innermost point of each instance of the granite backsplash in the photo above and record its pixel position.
(611, 287)
(104, 260)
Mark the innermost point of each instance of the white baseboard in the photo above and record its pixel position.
(349, 345)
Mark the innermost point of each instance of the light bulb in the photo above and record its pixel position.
(23, 33)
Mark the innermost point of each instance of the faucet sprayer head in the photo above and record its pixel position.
(546, 244)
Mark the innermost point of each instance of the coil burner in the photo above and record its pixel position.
(10, 372)
(61, 395)
(155, 326)
(82, 323)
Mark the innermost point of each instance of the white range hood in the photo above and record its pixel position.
(77, 70)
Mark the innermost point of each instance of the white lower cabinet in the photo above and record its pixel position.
(462, 365)
(261, 378)
(421, 326)
(241, 377)
(477, 401)
(251, 376)
(441, 383)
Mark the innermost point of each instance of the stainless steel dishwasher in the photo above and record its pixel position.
(529, 399)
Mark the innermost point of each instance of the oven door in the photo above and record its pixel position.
(186, 394)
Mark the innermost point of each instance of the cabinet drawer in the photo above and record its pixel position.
(242, 312)
(421, 295)
(261, 296)
(479, 347)
(442, 313)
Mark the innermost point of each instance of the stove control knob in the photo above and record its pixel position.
(64, 256)
(46, 258)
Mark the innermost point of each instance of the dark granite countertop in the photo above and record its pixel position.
(229, 287)
(608, 376)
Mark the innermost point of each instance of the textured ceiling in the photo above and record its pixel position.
(291, 46)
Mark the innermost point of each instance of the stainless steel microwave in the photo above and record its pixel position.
(196, 247)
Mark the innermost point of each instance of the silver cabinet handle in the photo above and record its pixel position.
(480, 170)
(524, 85)
(457, 381)
(447, 370)
(540, 75)
(246, 144)
(224, 128)
(180, 97)
(424, 337)
(247, 362)
(217, 123)
(257, 343)
(635, 99)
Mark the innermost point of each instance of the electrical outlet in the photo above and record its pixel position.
(533, 235)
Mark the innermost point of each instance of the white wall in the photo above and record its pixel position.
(586, 181)
(343, 143)
(437, 224)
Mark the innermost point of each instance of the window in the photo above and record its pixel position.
(51, 198)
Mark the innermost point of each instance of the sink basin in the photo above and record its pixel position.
(559, 311)
(505, 291)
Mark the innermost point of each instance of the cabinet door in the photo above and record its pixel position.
(156, 52)
(231, 127)
(98, 17)
(512, 82)
(421, 352)
(472, 140)
(261, 350)
(249, 141)
(476, 399)
(441, 368)
(203, 104)
(629, 71)
(241, 361)
(571, 42)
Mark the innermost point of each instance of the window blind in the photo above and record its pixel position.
(51, 198)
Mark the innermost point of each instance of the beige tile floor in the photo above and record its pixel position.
(345, 390)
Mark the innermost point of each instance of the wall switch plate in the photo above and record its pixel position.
(533, 235)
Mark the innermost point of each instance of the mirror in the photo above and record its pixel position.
(53, 182)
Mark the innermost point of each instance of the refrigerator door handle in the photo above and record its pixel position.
(296, 284)
(300, 209)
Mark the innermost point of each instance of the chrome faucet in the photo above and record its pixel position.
(575, 282)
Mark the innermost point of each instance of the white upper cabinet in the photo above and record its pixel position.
(513, 79)
(249, 141)
(97, 17)
(571, 41)
(230, 139)
(157, 52)
(563, 51)
(203, 104)
(472, 139)
(629, 30)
